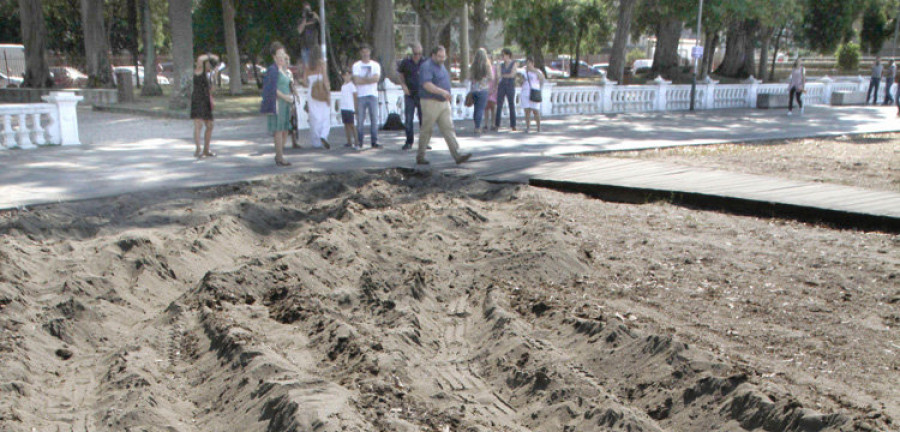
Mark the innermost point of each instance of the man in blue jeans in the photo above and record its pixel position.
(409, 80)
(877, 69)
(366, 73)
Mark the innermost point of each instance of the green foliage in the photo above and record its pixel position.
(827, 23)
(633, 55)
(848, 56)
(10, 29)
(875, 29)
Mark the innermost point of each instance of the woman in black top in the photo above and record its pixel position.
(506, 89)
(202, 103)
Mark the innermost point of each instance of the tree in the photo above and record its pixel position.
(96, 46)
(589, 18)
(875, 29)
(436, 15)
(530, 23)
(739, 49)
(231, 44)
(151, 86)
(380, 25)
(479, 21)
(34, 34)
(827, 23)
(616, 70)
(182, 53)
(665, 18)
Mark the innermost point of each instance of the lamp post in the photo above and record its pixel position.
(322, 28)
(696, 54)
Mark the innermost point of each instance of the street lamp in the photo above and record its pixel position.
(697, 53)
(322, 30)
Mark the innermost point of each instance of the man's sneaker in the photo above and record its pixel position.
(790, 113)
(407, 146)
(422, 162)
(325, 143)
(462, 159)
(801, 110)
(376, 145)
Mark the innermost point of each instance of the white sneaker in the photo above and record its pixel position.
(790, 113)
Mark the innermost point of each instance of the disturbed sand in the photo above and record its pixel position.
(405, 301)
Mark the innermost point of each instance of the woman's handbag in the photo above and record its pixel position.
(470, 99)
(535, 95)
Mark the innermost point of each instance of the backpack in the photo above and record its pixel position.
(320, 91)
(393, 122)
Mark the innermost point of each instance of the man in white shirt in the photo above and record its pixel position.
(366, 74)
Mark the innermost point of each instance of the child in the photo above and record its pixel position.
(348, 109)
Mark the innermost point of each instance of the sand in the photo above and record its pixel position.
(404, 301)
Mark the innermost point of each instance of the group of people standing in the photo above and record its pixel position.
(879, 74)
(425, 82)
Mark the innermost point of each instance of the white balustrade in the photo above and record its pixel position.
(609, 97)
(28, 125)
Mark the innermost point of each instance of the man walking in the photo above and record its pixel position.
(409, 80)
(875, 81)
(889, 78)
(366, 73)
(435, 98)
(309, 29)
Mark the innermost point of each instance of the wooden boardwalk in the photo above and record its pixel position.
(633, 180)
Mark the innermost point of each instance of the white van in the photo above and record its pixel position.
(12, 60)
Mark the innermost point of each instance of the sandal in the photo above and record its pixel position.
(209, 154)
(282, 163)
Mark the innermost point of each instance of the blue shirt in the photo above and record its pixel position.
(436, 74)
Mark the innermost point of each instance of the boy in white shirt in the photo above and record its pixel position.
(348, 109)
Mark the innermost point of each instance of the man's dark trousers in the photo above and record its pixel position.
(411, 105)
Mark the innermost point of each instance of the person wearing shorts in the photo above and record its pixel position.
(348, 109)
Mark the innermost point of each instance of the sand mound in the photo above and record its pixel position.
(401, 301)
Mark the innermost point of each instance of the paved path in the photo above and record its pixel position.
(636, 180)
(126, 153)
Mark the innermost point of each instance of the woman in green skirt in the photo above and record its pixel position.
(277, 100)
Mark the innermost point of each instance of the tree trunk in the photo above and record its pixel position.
(182, 53)
(151, 86)
(665, 59)
(464, 43)
(479, 23)
(775, 54)
(616, 70)
(133, 35)
(382, 31)
(765, 37)
(738, 61)
(573, 69)
(96, 44)
(34, 37)
(446, 39)
(231, 46)
(708, 52)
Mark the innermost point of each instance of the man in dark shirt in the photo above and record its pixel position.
(309, 33)
(409, 80)
(435, 98)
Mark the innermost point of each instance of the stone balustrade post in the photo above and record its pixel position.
(546, 98)
(862, 84)
(752, 91)
(662, 94)
(709, 92)
(606, 91)
(828, 85)
(65, 118)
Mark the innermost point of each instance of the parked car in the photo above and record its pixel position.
(10, 81)
(600, 68)
(555, 73)
(161, 80)
(642, 65)
(68, 77)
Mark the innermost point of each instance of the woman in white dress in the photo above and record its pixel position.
(534, 79)
(319, 110)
